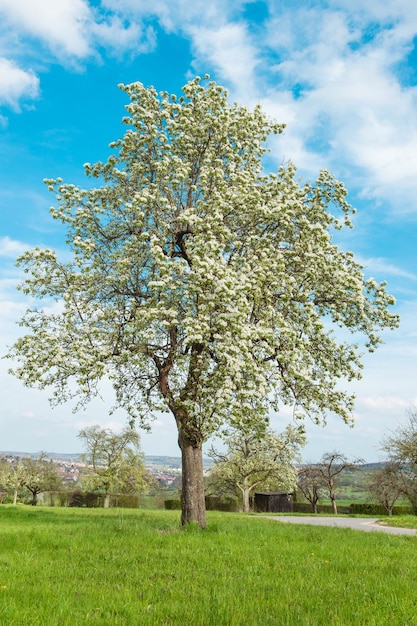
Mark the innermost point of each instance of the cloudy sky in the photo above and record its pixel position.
(341, 74)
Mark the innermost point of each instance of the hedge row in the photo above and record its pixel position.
(213, 503)
(355, 508)
(90, 499)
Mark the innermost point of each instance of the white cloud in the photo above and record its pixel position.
(74, 29)
(229, 50)
(118, 35)
(351, 107)
(61, 25)
(383, 267)
(11, 248)
(385, 403)
(16, 84)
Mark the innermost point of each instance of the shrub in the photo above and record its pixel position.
(125, 500)
(305, 507)
(222, 503)
(173, 504)
(376, 509)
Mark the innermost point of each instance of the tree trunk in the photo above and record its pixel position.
(106, 502)
(315, 507)
(15, 497)
(192, 501)
(246, 501)
(334, 505)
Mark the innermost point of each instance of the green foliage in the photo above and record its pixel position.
(125, 500)
(403, 520)
(222, 503)
(352, 508)
(172, 504)
(83, 567)
(85, 498)
(362, 508)
(113, 461)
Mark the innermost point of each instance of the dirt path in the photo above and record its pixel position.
(357, 523)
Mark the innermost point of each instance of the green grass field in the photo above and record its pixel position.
(135, 567)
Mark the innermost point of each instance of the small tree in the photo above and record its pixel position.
(311, 484)
(253, 459)
(11, 477)
(113, 461)
(39, 475)
(16, 478)
(386, 484)
(402, 450)
(330, 467)
(198, 283)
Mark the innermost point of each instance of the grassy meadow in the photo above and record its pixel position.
(135, 567)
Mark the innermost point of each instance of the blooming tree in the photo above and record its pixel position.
(39, 475)
(12, 476)
(255, 459)
(113, 460)
(198, 284)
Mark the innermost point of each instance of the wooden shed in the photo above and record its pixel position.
(274, 502)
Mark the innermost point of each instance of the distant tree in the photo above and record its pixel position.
(386, 485)
(253, 459)
(39, 475)
(113, 461)
(330, 467)
(197, 282)
(12, 476)
(402, 450)
(311, 483)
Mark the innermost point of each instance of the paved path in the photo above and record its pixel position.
(357, 523)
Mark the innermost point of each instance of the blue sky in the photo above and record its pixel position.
(341, 74)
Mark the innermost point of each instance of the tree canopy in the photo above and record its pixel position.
(113, 460)
(197, 282)
(257, 460)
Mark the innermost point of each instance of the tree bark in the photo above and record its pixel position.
(334, 505)
(246, 501)
(106, 502)
(192, 501)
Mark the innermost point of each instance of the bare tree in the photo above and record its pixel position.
(331, 466)
(402, 450)
(386, 485)
(311, 484)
